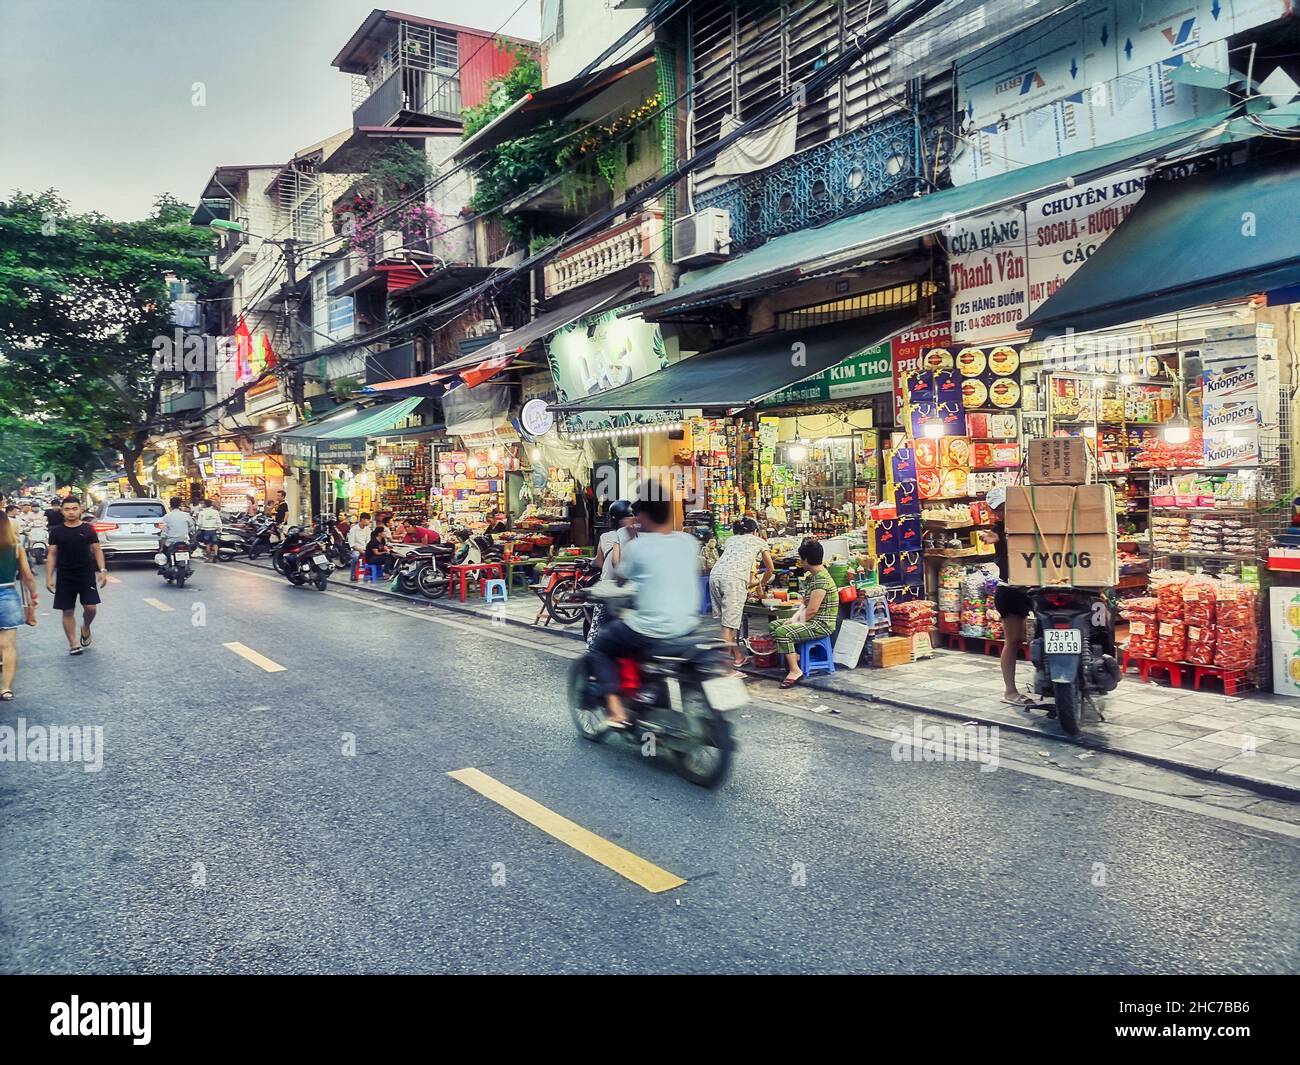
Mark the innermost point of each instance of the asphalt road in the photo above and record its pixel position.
(228, 830)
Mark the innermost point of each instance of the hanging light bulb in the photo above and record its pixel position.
(798, 451)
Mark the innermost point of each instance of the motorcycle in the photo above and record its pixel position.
(560, 585)
(678, 698)
(305, 561)
(251, 536)
(1073, 652)
(423, 568)
(37, 542)
(173, 561)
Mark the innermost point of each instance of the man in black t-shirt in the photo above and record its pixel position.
(75, 561)
(281, 509)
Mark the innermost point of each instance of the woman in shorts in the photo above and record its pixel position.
(13, 568)
(1011, 601)
(730, 578)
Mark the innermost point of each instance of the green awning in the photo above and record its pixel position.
(376, 421)
(1217, 236)
(873, 233)
(740, 375)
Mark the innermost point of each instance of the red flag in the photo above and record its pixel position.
(268, 353)
(243, 351)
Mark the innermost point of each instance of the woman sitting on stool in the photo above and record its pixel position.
(816, 617)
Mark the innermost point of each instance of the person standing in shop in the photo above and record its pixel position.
(1011, 600)
(731, 577)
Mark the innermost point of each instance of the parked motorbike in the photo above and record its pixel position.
(174, 562)
(1073, 652)
(677, 697)
(251, 536)
(560, 584)
(304, 560)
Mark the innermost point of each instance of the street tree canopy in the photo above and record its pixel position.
(82, 299)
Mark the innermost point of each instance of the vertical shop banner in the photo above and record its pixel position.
(988, 272)
(1064, 229)
(909, 348)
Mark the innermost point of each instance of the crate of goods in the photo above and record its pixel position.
(1062, 534)
(891, 651)
(1059, 460)
(906, 619)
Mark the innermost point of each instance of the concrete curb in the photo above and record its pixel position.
(1270, 788)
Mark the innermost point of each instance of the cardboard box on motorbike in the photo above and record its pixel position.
(1062, 534)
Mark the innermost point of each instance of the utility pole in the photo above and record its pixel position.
(291, 309)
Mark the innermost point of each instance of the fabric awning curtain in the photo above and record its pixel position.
(741, 375)
(1214, 237)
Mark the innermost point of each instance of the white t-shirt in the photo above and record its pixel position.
(359, 536)
(607, 541)
(738, 556)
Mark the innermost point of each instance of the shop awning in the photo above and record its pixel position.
(376, 421)
(889, 230)
(1213, 237)
(741, 375)
(486, 362)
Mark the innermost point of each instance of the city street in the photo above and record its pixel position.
(287, 806)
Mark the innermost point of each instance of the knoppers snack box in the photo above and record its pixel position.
(1062, 534)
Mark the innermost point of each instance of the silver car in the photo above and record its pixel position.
(129, 526)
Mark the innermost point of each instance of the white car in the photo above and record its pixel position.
(129, 527)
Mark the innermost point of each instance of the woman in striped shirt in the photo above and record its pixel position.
(818, 615)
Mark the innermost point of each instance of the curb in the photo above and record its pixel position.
(1263, 787)
(1270, 788)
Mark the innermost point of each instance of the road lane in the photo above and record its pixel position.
(820, 853)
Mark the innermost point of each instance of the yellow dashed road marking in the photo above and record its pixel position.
(158, 604)
(254, 657)
(611, 855)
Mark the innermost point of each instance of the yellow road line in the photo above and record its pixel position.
(611, 855)
(254, 657)
(158, 604)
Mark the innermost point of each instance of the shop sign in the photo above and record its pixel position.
(251, 467)
(299, 453)
(601, 352)
(868, 373)
(909, 348)
(227, 463)
(348, 452)
(988, 272)
(203, 450)
(535, 418)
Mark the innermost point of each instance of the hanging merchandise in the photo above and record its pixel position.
(403, 473)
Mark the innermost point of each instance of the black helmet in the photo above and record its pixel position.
(620, 509)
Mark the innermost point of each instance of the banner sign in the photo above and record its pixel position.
(988, 270)
(868, 373)
(227, 463)
(347, 452)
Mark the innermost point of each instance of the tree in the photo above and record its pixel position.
(82, 301)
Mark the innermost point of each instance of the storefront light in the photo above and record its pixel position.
(270, 424)
(1090, 431)
(1177, 430)
(798, 451)
(933, 429)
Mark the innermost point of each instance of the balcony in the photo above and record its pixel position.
(409, 93)
(234, 252)
(390, 365)
(629, 244)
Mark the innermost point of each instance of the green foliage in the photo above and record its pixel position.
(394, 171)
(517, 165)
(82, 298)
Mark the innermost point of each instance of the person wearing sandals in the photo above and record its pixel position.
(13, 568)
(816, 617)
(74, 562)
(730, 579)
(1011, 601)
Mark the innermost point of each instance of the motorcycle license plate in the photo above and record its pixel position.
(1062, 641)
(725, 693)
(182, 556)
(320, 563)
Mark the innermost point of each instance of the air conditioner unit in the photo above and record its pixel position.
(390, 243)
(704, 236)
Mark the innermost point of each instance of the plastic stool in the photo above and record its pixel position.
(706, 602)
(815, 656)
(374, 572)
(494, 591)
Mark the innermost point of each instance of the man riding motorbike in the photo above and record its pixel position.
(665, 567)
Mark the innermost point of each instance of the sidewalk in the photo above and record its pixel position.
(1204, 734)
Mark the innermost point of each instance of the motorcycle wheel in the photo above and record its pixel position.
(322, 580)
(559, 605)
(432, 583)
(408, 582)
(707, 758)
(1069, 706)
(584, 704)
(277, 560)
(180, 580)
(296, 579)
(253, 552)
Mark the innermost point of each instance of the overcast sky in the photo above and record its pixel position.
(95, 95)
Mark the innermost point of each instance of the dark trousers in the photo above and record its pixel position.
(616, 640)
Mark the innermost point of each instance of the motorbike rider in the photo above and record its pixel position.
(609, 553)
(1011, 600)
(178, 526)
(665, 568)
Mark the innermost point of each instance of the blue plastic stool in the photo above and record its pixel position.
(706, 601)
(494, 591)
(375, 573)
(815, 656)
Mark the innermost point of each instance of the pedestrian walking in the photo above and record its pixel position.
(13, 570)
(208, 522)
(75, 570)
(731, 577)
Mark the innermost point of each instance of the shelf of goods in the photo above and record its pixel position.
(715, 452)
(472, 485)
(404, 479)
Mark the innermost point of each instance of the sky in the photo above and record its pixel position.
(97, 96)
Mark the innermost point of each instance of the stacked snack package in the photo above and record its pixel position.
(1170, 533)
(1142, 631)
(906, 619)
(1235, 625)
(974, 603)
(1171, 645)
(1168, 587)
(1198, 612)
